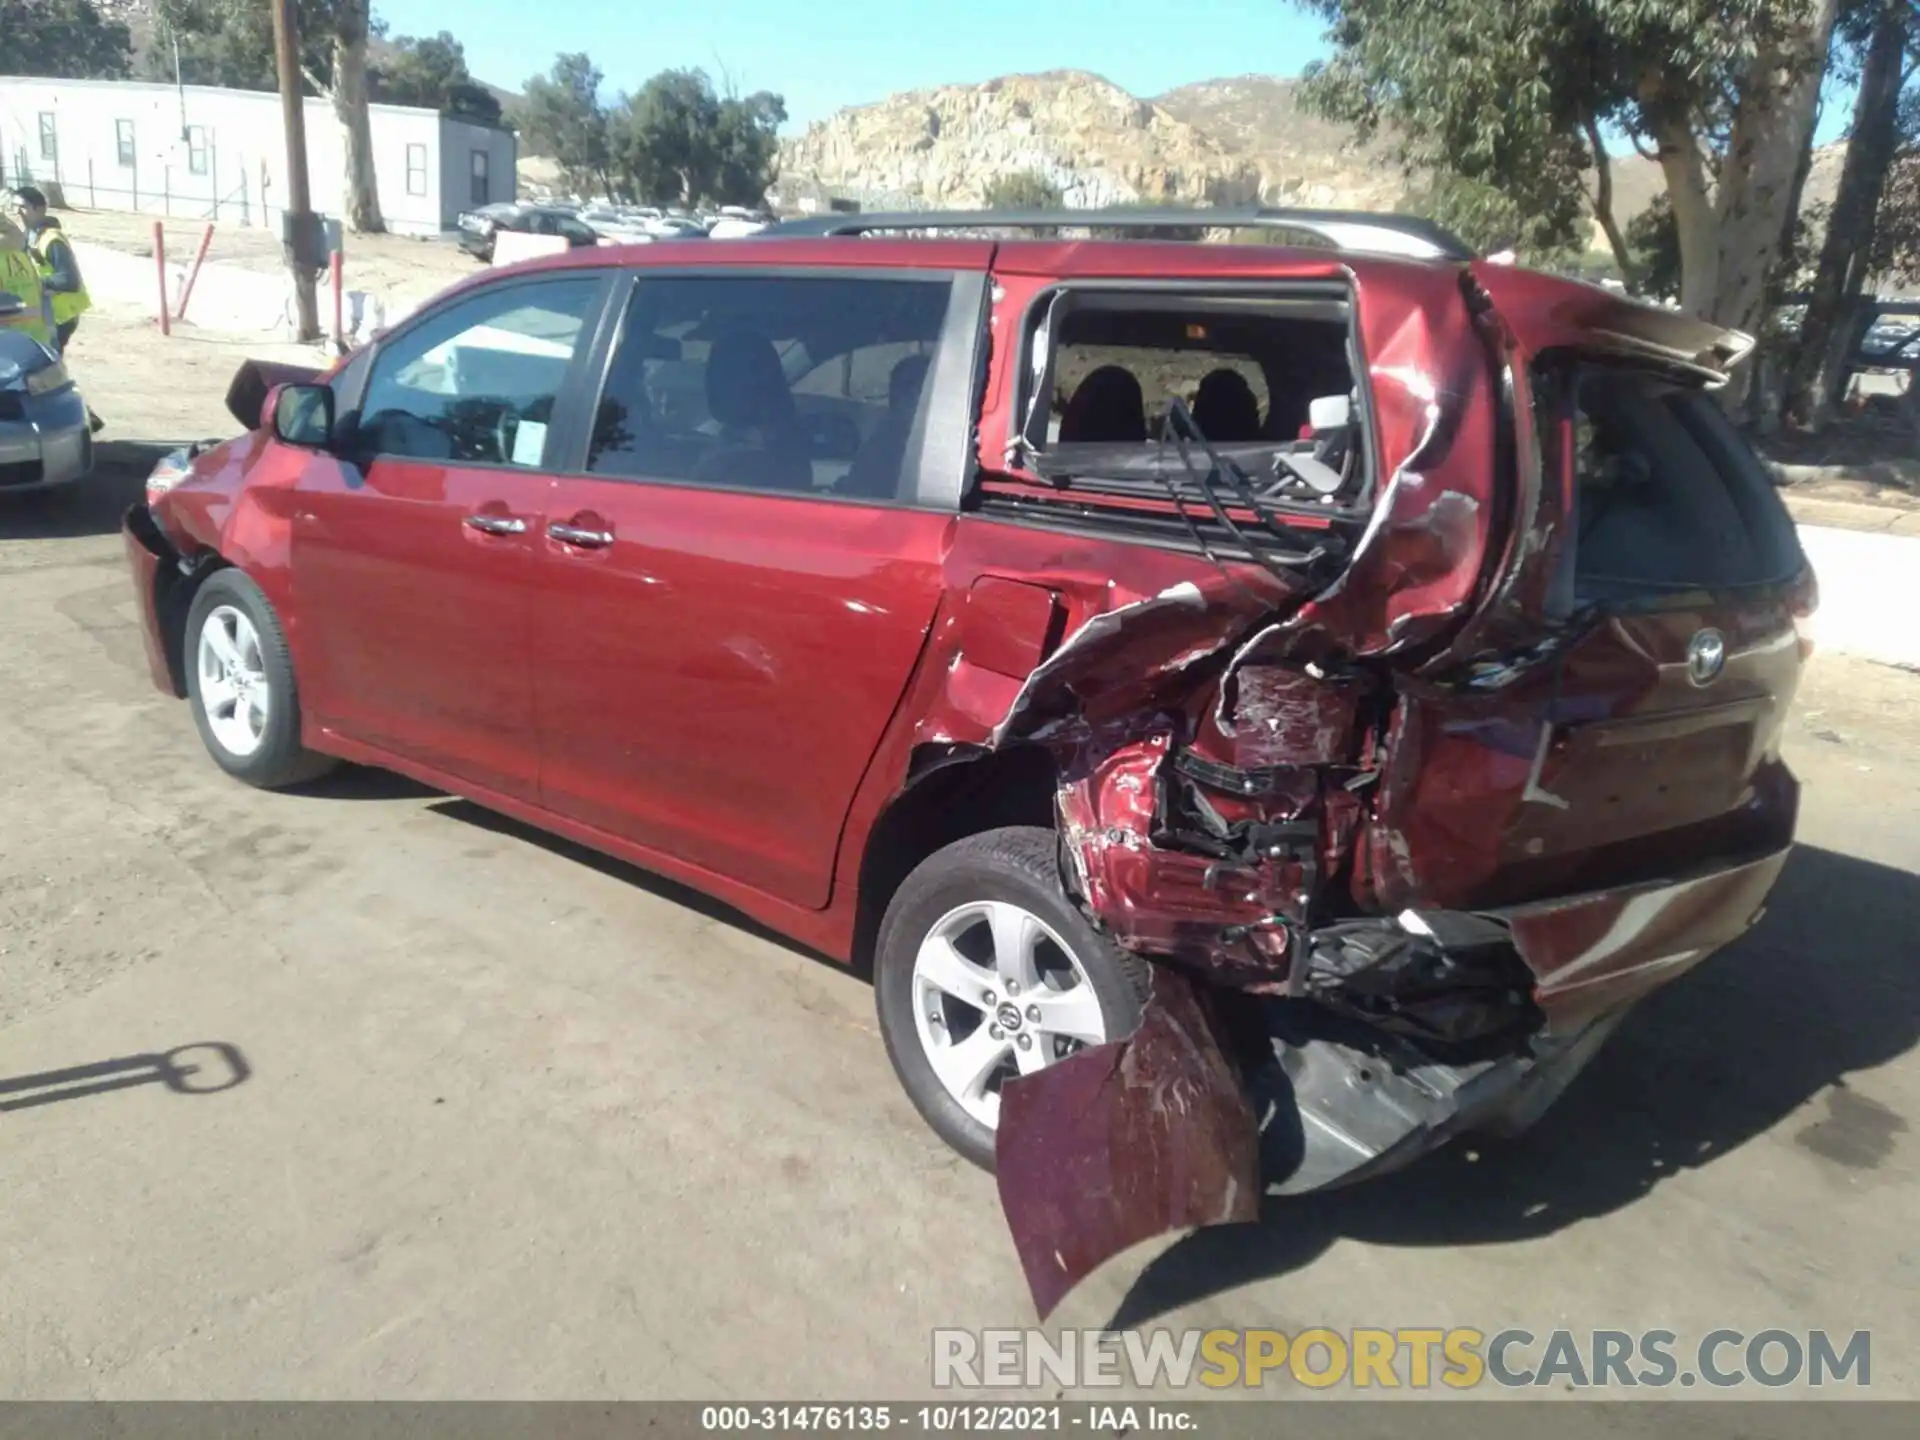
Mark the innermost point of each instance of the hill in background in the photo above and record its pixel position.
(1234, 140)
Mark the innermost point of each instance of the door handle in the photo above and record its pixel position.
(585, 539)
(495, 524)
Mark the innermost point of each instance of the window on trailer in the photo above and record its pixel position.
(416, 169)
(49, 136)
(123, 143)
(197, 148)
(480, 187)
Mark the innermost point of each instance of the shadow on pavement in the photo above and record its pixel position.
(363, 782)
(94, 505)
(1824, 986)
(201, 1069)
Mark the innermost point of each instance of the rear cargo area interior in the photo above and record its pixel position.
(1249, 372)
(1668, 495)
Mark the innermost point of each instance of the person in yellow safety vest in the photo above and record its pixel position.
(59, 271)
(20, 277)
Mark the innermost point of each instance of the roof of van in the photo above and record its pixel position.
(1545, 312)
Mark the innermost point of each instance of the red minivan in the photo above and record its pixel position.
(1259, 710)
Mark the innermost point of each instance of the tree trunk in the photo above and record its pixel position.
(1772, 128)
(349, 96)
(1767, 392)
(1603, 206)
(1694, 221)
(1819, 362)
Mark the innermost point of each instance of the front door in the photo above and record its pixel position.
(414, 556)
(737, 588)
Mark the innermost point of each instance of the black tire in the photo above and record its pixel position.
(280, 759)
(1017, 864)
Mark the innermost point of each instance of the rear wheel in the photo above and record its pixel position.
(985, 971)
(240, 684)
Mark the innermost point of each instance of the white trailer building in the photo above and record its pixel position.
(200, 152)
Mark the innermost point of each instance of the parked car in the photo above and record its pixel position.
(1258, 711)
(479, 227)
(46, 438)
(674, 227)
(735, 227)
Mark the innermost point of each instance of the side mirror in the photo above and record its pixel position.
(303, 416)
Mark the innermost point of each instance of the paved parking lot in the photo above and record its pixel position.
(472, 1112)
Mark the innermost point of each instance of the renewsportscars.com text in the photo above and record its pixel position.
(1417, 1359)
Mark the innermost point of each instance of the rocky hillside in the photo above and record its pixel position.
(1226, 142)
(1302, 159)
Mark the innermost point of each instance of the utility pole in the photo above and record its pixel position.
(299, 233)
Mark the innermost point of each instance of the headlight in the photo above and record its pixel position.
(171, 469)
(45, 382)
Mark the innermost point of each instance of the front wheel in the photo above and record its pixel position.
(240, 684)
(984, 971)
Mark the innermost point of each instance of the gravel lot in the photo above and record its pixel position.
(501, 1118)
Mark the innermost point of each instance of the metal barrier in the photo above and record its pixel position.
(147, 190)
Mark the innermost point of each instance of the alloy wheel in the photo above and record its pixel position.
(234, 693)
(997, 994)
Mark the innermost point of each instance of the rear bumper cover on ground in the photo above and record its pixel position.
(1221, 1097)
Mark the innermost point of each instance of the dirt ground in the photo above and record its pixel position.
(151, 389)
(371, 1094)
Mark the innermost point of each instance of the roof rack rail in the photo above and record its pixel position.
(1343, 229)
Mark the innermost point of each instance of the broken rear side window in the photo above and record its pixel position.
(1117, 380)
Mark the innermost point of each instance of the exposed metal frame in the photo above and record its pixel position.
(1405, 235)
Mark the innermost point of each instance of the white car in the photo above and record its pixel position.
(674, 227)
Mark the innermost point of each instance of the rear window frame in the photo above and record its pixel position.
(942, 459)
(1305, 295)
(1557, 374)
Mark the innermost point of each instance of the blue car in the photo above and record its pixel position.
(46, 435)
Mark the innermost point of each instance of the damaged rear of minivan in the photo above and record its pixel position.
(1463, 736)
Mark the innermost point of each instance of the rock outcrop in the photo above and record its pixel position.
(1095, 142)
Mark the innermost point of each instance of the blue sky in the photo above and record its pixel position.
(823, 54)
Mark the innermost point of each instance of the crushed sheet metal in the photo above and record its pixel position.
(1158, 901)
(1122, 1142)
(1595, 952)
(1288, 715)
(1418, 564)
(1161, 636)
(1332, 1114)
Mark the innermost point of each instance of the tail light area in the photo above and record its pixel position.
(1804, 602)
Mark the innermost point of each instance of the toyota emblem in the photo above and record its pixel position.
(1706, 657)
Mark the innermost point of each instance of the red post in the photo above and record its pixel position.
(160, 268)
(339, 303)
(199, 259)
